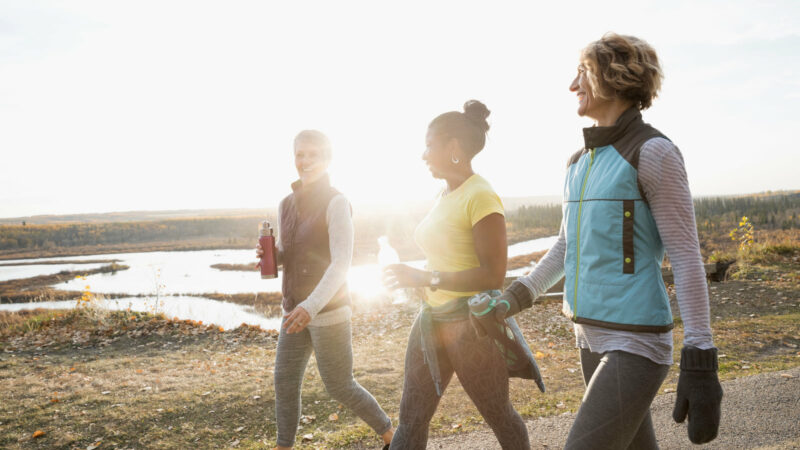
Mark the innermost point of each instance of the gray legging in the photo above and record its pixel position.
(615, 413)
(332, 346)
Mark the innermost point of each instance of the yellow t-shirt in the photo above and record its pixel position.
(445, 234)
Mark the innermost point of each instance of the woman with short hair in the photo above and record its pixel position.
(315, 247)
(626, 201)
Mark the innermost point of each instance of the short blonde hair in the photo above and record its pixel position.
(317, 138)
(623, 66)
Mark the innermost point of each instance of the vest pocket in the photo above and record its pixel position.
(628, 257)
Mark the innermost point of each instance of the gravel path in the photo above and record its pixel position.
(761, 411)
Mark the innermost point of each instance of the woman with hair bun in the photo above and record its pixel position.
(315, 247)
(464, 240)
(626, 201)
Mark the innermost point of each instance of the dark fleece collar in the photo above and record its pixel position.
(322, 183)
(594, 137)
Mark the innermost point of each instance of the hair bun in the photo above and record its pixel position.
(477, 113)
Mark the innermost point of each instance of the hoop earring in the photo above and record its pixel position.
(453, 159)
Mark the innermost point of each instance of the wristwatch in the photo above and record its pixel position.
(435, 280)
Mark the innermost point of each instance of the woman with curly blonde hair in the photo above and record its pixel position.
(626, 201)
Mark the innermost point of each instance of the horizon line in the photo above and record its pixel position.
(543, 200)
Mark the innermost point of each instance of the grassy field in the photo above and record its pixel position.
(80, 378)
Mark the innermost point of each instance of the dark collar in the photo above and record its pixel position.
(594, 137)
(323, 182)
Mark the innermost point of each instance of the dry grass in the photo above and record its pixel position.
(152, 382)
(118, 377)
(516, 262)
(57, 261)
(266, 303)
(36, 288)
(717, 246)
(140, 381)
(22, 321)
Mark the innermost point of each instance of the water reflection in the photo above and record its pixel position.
(534, 245)
(169, 274)
(190, 273)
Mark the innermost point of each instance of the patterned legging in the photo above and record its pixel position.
(481, 371)
(332, 346)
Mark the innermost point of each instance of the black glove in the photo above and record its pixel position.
(699, 394)
(516, 298)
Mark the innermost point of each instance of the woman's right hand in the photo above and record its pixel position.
(296, 321)
(402, 276)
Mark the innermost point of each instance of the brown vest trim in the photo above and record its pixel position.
(625, 327)
(576, 156)
(628, 258)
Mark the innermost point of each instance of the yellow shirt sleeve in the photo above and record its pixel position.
(483, 203)
(446, 232)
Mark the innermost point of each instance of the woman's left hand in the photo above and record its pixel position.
(397, 276)
(296, 321)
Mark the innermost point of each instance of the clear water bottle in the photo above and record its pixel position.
(388, 256)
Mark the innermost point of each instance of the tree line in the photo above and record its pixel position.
(18, 237)
(767, 211)
(715, 214)
(535, 216)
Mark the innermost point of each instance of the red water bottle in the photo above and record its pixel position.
(269, 260)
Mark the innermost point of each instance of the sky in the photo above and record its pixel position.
(156, 105)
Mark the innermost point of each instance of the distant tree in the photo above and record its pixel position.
(714, 214)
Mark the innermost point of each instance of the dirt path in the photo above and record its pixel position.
(760, 411)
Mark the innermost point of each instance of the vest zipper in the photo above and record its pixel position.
(578, 241)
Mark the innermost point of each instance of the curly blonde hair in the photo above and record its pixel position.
(623, 66)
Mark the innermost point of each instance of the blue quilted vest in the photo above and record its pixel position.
(614, 252)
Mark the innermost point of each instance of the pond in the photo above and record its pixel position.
(168, 275)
